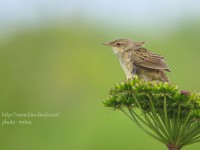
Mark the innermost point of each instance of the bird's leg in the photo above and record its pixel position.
(134, 70)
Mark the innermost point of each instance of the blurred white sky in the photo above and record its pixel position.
(115, 12)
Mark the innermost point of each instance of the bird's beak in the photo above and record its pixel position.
(107, 44)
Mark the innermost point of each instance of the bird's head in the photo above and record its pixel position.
(121, 45)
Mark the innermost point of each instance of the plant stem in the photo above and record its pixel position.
(139, 125)
(173, 147)
(166, 120)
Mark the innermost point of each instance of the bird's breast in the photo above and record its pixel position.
(126, 66)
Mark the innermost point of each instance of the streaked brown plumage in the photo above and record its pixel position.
(137, 60)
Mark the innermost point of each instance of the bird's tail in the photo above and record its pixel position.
(163, 76)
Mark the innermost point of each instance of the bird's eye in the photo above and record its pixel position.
(118, 44)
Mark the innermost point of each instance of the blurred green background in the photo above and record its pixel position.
(52, 59)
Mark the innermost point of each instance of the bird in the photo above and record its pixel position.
(136, 60)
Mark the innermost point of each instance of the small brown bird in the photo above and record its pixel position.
(137, 60)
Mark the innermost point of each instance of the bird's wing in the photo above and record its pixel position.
(143, 57)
